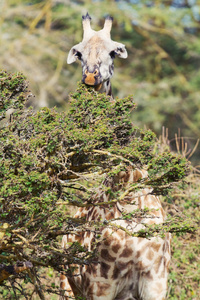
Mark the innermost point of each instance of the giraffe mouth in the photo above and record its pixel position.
(97, 87)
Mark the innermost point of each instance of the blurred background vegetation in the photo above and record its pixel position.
(162, 69)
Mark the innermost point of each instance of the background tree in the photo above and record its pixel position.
(52, 162)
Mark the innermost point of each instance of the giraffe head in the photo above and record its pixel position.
(96, 53)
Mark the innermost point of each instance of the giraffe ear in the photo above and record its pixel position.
(73, 55)
(120, 50)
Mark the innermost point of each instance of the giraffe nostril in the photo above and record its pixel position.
(96, 72)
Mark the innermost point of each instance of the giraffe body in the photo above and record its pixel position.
(126, 267)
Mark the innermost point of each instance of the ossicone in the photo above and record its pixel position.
(107, 26)
(87, 16)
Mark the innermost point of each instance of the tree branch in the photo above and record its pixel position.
(20, 266)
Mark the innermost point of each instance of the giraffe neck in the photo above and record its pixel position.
(105, 87)
(132, 201)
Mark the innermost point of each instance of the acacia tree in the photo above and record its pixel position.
(51, 161)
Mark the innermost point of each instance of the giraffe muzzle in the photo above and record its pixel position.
(92, 79)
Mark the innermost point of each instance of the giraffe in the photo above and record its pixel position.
(126, 267)
(96, 53)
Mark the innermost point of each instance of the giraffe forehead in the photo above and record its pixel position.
(96, 40)
(95, 49)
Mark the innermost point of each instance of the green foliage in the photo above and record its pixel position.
(169, 168)
(52, 159)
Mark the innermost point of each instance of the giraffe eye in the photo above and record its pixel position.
(112, 54)
(78, 55)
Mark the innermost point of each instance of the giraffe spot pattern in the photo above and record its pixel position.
(104, 270)
(106, 255)
(125, 267)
